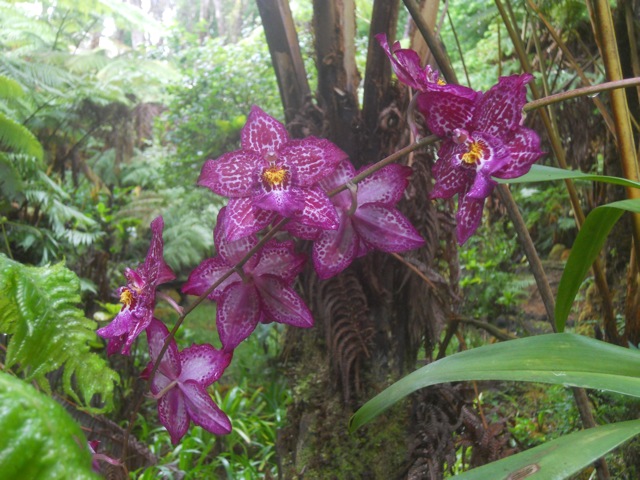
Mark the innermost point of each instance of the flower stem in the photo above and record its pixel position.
(591, 90)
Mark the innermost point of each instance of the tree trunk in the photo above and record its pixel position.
(372, 319)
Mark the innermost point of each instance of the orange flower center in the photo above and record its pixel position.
(275, 176)
(475, 153)
(441, 82)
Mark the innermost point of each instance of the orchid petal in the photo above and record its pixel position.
(115, 344)
(387, 185)
(524, 148)
(155, 269)
(334, 250)
(120, 325)
(172, 413)
(287, 201)
(450, 177)
(238, 314)
(279, 259)
(206, 274)
(341, 174)
(302, 231)
(446, 111)
(244, 219)
(500, 110)
(138, 327)
(405, 63)
(231, 252)
(385, 228)
(282, 304)
(233, 175)
(157, 334)
(202, 410)
(203, 364)
(468, 217)
(318, 210)
(482, 186)
(312, 158)
(262, 133)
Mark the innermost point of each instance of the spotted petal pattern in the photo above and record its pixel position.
(138, 296)
(180, 384)
(272, 174)
(244, 300)
(368, 219)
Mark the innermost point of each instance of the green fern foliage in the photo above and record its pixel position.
(18, 138)
(38, 309)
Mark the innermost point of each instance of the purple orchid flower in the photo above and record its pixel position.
(138, 296)
(482, 138)
(262, 292)
(368, 219)
(273, 174)
(180, 384)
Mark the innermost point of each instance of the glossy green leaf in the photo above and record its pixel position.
(542, 173)
(38, 310)
(39, 438)
(558, 458)
(585, 250)
(557, 358)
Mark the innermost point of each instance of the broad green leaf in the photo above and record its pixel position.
(38, 310)
(39, 438)
(585, 250)
(558, 458)
(557, 358)
(542, 173)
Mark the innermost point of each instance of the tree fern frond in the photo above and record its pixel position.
(16, 137)
(87, 62)
(10, 179)
(9, 88)
(38, 310)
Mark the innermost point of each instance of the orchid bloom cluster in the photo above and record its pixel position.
(309, 183)
(482, 133)
(271, 178)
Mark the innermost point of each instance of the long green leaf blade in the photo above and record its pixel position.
(542, 173)
(560, 358)
(558, 458)
(585, 250)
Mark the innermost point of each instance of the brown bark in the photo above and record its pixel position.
(285, 55)
(371, 319)
(338, 78)
(377, 78)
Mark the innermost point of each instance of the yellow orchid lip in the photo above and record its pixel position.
(476, 152)
(127, 298)
(275, 176)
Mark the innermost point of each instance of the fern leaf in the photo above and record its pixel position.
(9, 88)
(19, 138)
(38, 309)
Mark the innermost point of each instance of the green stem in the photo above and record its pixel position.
(581, 92)
(6, 240)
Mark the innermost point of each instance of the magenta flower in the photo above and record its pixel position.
(261, 293)
(368, 219)
(273, 174)
(138, 296)
(180, 384)
(481, 139)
